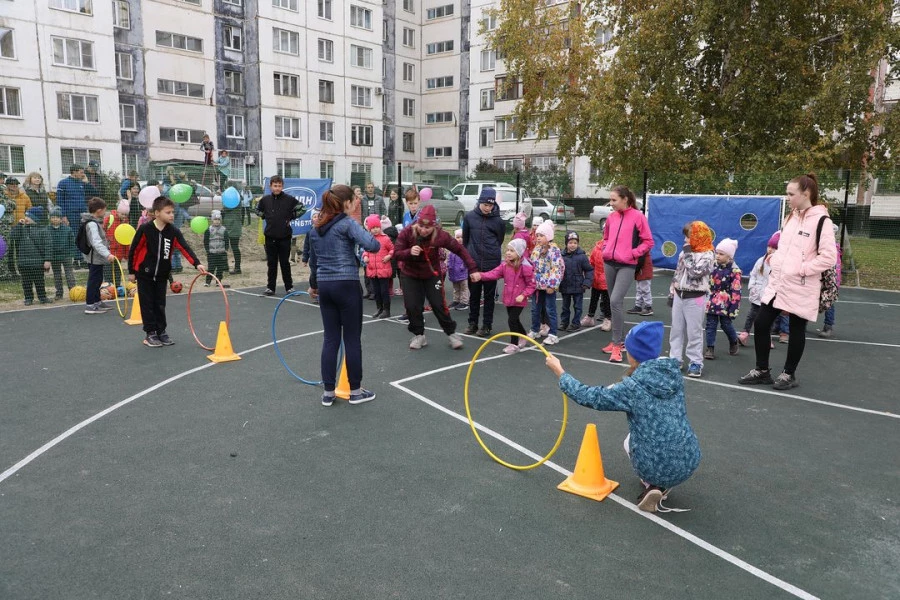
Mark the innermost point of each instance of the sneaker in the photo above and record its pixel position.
(206, 285)
(827, 332)
(471, 329)
(398, 291)
(522, 344)
(165, 339)
(404, 318)
(533, 335)
(545, 330)
(385, 314)
(153, 341)
(511, 349)
(30, 302)
(743, 337)
(756, 377)
(104, 306)
(327, 400)
(462, 306)
(269, 292)
(709, 353)
(616, 354)
(455, 341)
(418, 342)
(647, 312)
(607, 349)
(606, 325)
(364, 395)
(634, 310)
(46, 301)
(785, 381)
(452, 305)
(225, 286)
(289, 290)
(588, 321)
(550, 340)
(733, 349)
(782, 338)
(58, 296)
(575, 327)
(563, 327)
(694, 370)
(91, 309)
(484, 332)
(650, 499)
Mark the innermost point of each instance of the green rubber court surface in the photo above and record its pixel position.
(129, 472)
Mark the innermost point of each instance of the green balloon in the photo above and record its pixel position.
(181, 192)
(199, 225)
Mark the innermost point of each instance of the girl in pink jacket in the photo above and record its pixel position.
(518, 286)
(795, 280)
(379, 268)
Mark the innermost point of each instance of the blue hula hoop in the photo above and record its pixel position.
(278, 351)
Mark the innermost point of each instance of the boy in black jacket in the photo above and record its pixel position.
(578, 277)
(278, 209)
(150, 262)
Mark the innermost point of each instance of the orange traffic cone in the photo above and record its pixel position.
(588, 480)
(343, 387)
(224, 352)
(135, 318)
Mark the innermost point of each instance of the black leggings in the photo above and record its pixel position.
(796, 342)
(599, 297)
(340, 303)
(514, 314)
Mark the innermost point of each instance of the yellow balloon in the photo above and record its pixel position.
(125, 234)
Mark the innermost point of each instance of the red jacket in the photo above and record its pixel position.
(427, 264)
(110, 222)
(596, 260)
(376, 267)
(646, 271)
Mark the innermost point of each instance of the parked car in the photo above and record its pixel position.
(449, 209)
(468, 192)
(548, 209)
(506, 199)
(600, 213)
(206, 201)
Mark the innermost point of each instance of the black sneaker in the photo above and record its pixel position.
(269, 292)
(153, 341)
(471, 329)
(484, 332)
(785, 381)
(461, 306)
(363, 396)
(575, 327)
(634, 310)
(404, 318)
(93, 309)
(164, 338)
(46, 301)
(756, 377)
(647, 312)
(327, 400)
(733, 348)
(563, 327)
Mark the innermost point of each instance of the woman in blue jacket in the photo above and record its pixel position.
(334, 267)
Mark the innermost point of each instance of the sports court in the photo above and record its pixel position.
(128, 472)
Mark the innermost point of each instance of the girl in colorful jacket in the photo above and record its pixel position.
(548, 274)
(379, 268)
(518, 286)
(724, 298)
(599, 292)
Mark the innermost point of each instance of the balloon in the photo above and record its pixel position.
(181, 192)
(2, 210)
(425, 194)
(231, 198)
(199, 225)
(124, 234)
(2, 244)
(148, 195)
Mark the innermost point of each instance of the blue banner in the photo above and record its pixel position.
(751, 220)
(309, 192)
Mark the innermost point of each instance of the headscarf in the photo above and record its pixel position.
(700, 237)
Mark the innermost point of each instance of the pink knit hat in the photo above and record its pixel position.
(519, 221)
(727, 246)
(546, 229)
(373, 221)
(773, 241)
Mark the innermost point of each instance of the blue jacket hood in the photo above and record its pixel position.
(323, 229)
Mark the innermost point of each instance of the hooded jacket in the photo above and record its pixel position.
(619, 235)
(375, 265)
(427, 264)
(332, 249)
(578, 272)
(596, 259)
(724, 290)
(664, 449)
(516, 282)
(483, 237)
(549, 267)
(32, 244)
(150, 256)
(99, 254)
(278, 212)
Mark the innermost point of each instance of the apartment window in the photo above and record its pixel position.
(361, 135)
(409, 6)
(409, 72)
(326, 91)
(7, 44)
(127, 118)
(544, 163)
(439, 47)
(69, 52)
(12, 159)
(180, 88)
(129, 162)
(326, 169)
(487, 99)
(438, 117)
(439, 152)
(124, 66)
(488, 60)
(326, 131)
(178, 41)
(485, 137)
(326, 50)
(439, 11)
(234, 126)
(286, 42)
(289, 167)
(510, 164)
(409, 37)
(489, 22)
(508, 89)
(285, 4)
(121, 14)
(180, 136)
(196, 2)
(434, 83)
(360, 57)
(232, 37)
(325, 9)
(234, 2)
(364, 168)
(78, 107)
(409, 142)
(360, 17)
(77, 156)
(234, 82)
(287, 128)
(361, 96)
(504, 129)
(80, 6)
(10, 106)
(409, 107)
(287, 85)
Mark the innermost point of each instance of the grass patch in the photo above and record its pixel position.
(878, 263)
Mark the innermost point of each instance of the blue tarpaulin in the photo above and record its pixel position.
(668, 213)
(309, 192)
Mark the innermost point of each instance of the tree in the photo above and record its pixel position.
(702, 86)
(551, 182)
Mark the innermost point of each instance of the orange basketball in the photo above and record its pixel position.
(176, 287)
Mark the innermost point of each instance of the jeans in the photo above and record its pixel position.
(618, 280)
(489, 289)
(796, 343)
(829, 317)
(340, 303)
(543, 301)
(95, 278)
(577, 302)
(712, 324)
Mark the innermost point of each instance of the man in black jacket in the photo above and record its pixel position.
(278, 208)
(483, 232)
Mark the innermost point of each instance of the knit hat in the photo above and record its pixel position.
(458, 232)
(385, 222)
(487, 196)
(55, 212)
(546, 229)
(12, 181)
(373, 221)
(427, 216)
(123, 208)
(519, 221)
(571, 235)
(645, 340)
(518, 245)
(216, 214)
(727, 246)
(35, 213)
(773, 241)
(537, 221)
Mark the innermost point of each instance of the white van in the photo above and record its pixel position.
(467, 192)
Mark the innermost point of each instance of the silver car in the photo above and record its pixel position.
(549, 210)
(601, 212)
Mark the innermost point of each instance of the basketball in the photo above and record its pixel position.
(78, 293)
(176, 287)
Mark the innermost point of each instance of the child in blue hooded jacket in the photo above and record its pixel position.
(663, 448)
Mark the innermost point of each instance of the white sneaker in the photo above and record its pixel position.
(418, 342)
(511, 349)
(545, 329)
(455, 341)
(606, 325)
(534, 335)
(522, 344)
(587, 321)
(551, 339)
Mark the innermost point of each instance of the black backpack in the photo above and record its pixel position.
(81, 239)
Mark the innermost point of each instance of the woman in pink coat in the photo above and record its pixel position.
(794, 283)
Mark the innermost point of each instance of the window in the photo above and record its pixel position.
(503, 129)
(289, 167)
(325, 9)
(234, 126)
(361, 135)
(287, 85)
(326, 50)
(409, 142)
(508, 89)
(439, 11)
(77, 156)
(127, 119)
(409, 72)
(124, 66)
(121, 14)
(129, 162)
(488, 60)
(234, 82)
(326, 91)
(439, 47)
(409, 6)
(232, 37)
(409, 107)
(510, 164)
(439, 117)
(12, 159)
(360, 57)
(285, 4)
(439, 152)
(544, 163)
(10, 106)
(360, 17)
(7, 44)
(287, 128)
(487, 99)
(326, 131)
(489, 22)
(78, 107)
(197, 2)
(68, 52)
(361, 96)
(485, 137)
(439, 82)
(364, 168)
(409, 37)
(181, 136)
(286, 42)
(326, 169)
(234, 2)
(80, 6)
(178, 41)
(180, 88)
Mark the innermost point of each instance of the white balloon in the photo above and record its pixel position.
(148, 195)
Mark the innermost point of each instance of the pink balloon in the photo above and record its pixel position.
(148, 195)
(425, 194)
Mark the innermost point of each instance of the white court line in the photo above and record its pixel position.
(690, 537)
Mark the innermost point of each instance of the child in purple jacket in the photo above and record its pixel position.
(459, 277)
(518, 286)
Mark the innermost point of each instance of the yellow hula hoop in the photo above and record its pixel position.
(565, 419)
(123, 311)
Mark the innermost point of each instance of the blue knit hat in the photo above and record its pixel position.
(35, 213)
(487, 196)
(645, 340)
